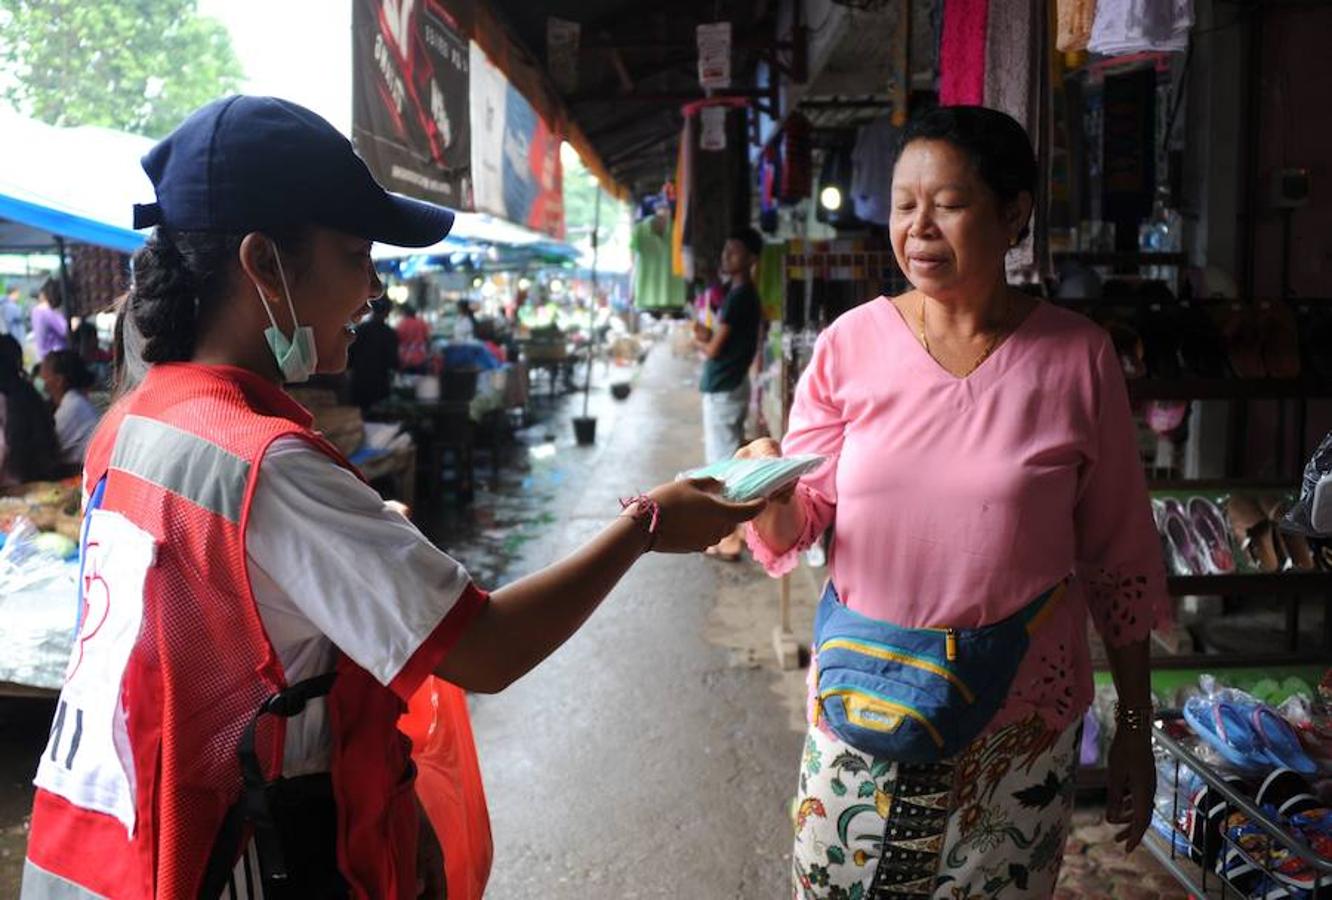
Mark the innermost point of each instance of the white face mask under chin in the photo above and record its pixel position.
(296, 358)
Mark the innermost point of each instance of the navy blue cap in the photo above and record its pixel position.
(244, 164)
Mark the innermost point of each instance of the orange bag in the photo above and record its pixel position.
(448, 783)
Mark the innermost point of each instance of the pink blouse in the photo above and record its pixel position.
(955, 501)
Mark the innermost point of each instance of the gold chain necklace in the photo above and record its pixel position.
(985, 354)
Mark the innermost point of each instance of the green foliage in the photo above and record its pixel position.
(580, 198)
(136, 65)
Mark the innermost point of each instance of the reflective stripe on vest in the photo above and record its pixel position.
(183, 463)
(39, 884)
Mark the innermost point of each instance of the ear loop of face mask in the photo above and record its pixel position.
(295, 356)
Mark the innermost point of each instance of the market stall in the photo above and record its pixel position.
(39, 595)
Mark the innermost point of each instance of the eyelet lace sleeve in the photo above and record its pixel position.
(1125, 606)
(1119, 553)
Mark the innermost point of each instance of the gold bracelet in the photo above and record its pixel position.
(1134, 719)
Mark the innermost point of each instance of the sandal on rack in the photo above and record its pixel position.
(1188, 556)
(1210, 527)
(1254, 532)
(1291, 545)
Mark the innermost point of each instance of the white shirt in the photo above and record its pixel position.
(333, 568)
(75, 421)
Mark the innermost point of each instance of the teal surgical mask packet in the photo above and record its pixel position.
(750, 479)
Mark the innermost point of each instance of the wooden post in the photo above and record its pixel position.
(783, 638)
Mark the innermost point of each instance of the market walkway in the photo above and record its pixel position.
(640, 760)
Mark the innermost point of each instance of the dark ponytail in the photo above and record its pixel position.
(180, 277)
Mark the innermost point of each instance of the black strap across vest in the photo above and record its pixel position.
(254, 806)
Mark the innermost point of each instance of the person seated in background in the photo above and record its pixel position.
(88, 344)
(67, 380)
(373, 357)
(28, 447)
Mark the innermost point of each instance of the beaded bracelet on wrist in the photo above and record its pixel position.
(645, 510)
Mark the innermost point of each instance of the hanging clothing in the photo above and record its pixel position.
(872, 162)
(1073, 24)
(682, 257)
(655, 286)
(797, 160)
(1015, 83)
(992, 822)
(771, 281)
(962, 53)
(1122, 27)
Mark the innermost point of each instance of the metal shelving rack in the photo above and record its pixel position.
(1200, 880)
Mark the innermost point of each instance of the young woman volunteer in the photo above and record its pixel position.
(986, 497)
(253, 616)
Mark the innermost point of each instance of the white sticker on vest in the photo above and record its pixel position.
(88, 759)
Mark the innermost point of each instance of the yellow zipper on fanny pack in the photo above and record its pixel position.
(892, 654)
(858, 702)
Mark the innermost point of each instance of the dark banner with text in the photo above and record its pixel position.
(411, 114)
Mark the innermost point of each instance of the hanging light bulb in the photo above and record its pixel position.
(834, 188)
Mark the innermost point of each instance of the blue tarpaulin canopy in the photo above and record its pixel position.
(68, 185)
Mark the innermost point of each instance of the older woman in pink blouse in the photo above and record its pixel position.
(981, 450)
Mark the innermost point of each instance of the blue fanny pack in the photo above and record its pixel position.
(916, 695)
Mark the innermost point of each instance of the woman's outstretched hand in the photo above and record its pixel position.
(694, 516)
(767, 448)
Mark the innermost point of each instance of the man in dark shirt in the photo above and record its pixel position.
(730, 347)
(373, 357)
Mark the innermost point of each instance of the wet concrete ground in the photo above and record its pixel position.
(655, 754)
(640, 760)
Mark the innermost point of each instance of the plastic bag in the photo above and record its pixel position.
(27, 557)
(1248, 734)
(1301, 518)
(749, 479)
(448, 784)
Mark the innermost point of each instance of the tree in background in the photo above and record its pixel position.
(135, 65)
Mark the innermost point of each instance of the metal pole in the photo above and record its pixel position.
(592, 316)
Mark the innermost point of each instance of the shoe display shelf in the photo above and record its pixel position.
(1190, 857)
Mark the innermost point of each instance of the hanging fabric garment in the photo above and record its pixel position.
(1073, 24)
(655, 285)
(769, 172)
(682, 262)
(1138, 26)
(1015, 69)
(798, 155)
(771, 281)
(962, 54)
(872, 163)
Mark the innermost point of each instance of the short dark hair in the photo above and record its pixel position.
(995, 142)
(69, 366)
(752, 240)
(54, 293)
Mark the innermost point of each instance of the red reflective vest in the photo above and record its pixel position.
(136, 781)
